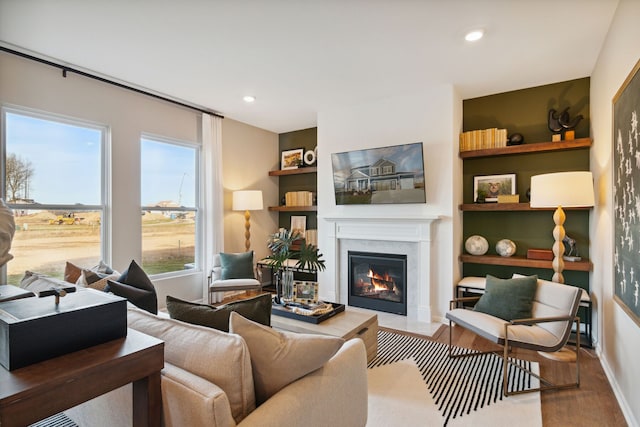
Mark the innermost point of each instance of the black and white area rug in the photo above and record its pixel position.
(413, 382)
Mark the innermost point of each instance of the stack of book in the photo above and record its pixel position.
(298, 198)
(481, 139)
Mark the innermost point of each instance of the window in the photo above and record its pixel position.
(169, 204)
(53, 180)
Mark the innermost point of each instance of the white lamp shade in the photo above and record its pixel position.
(566, 189)
(247, 200)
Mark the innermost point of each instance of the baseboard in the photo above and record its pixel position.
(624, 406)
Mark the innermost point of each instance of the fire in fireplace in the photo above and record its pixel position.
(378, 281)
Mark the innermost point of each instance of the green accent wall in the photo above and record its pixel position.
(526, 112)
(308, 140)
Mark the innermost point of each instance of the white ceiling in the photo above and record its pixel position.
(301, 57)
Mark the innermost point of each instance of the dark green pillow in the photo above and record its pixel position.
(508, 299)
(237, 266)
(257, 309)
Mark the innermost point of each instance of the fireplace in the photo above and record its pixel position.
(378, 281)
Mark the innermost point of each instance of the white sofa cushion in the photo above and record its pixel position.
(218, 357)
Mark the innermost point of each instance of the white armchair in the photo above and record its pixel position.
(218, 286)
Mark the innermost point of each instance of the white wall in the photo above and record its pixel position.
(249, 153)
(426, 117)
(619, 336)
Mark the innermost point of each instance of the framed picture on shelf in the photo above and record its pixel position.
(489, 187)
(299, 225)
(626, 179)
(292, 159)
(305, 292)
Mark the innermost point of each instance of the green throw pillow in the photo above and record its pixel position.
(508, 299)
(257, 309)
(237, 266)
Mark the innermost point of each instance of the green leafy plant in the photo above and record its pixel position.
(280, 243)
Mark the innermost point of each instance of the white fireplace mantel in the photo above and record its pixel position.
(417, 231)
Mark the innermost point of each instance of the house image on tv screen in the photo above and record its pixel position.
(380, 175)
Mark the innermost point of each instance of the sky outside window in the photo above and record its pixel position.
(168, 173)
(65, 159)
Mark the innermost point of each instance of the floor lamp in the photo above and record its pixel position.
(247, 200)
(558, 190)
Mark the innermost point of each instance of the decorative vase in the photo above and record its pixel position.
(476, 245)
(287, 285)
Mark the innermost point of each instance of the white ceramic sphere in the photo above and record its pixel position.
(505, 247)
(476, 245)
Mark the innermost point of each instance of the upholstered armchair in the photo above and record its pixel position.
(523, 312)
(232, 272)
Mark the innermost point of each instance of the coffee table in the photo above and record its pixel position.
(348, 324)
(43, 389)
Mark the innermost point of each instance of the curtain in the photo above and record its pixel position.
(212, 194)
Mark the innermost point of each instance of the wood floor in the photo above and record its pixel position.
(592, 404)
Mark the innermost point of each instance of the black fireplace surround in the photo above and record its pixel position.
(378, 281)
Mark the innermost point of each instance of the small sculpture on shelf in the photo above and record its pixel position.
(515, 139)
(476, 245)
(562, 122)
(506, 247)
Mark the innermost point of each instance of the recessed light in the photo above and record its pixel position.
(249, 98)
(474, 35)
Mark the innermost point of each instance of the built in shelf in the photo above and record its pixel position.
(506, 207)
(294, 208)
(297, 171)
(519, 261)
(528, 148)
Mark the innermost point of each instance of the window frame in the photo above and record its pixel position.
(197, 147)
(105, 175)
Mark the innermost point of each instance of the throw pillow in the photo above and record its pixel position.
(237, 266)
(95, 280)
(135, 285)
(257, 309)
(280, 358)
(508, 299)
(37, 282)
(103, 268)
(71, 272)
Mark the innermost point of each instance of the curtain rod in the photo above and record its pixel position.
(65, 69)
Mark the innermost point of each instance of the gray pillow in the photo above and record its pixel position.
(257, 309)
(237, 266)
(508, 299)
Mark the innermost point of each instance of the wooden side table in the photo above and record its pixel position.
(43, 389)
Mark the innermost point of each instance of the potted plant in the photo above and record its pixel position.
(308, 257)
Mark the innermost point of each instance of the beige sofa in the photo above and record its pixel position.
(207, 381)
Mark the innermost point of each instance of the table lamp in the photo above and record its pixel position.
(247, 200)
(558, 190)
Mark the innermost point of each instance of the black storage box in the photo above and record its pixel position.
(35, 329)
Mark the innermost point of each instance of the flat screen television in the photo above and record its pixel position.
(383, 175)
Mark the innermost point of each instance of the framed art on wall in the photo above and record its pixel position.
(299, 225)
(489, 187)
(291, 159)
(626, 193)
